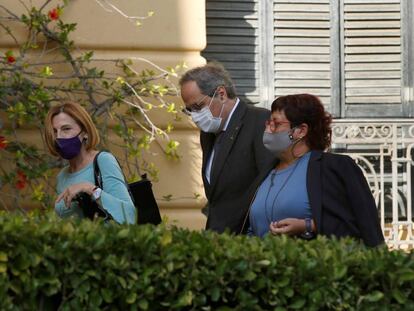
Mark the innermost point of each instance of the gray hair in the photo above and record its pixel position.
(209, 77)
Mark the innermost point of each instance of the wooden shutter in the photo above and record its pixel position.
(232, 39)
(372, 58)
(302, 48)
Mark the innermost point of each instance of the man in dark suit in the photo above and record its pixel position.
(231, 140)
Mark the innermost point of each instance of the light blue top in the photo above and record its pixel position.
(115, 198)
(283, 194)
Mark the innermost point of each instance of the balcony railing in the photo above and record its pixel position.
(384, 150)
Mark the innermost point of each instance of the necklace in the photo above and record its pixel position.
(272, 177)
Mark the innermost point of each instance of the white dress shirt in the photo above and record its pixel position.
(210, 160)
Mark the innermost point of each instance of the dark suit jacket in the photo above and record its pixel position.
(340, 198)
(236, 165)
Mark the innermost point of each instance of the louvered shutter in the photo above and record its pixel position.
(302, 48)
(356, 55)
(372, 58)
(232, 39)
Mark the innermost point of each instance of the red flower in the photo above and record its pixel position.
(3, 142)
(54, 14)
(21, 180)
(20, 185)
(10, 59)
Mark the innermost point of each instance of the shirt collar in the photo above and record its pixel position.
(231, 113)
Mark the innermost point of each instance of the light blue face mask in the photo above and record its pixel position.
(205, 120)
(278, 142)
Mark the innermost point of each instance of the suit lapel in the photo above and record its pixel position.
(314, 186)
(227, 142)
(207, 141)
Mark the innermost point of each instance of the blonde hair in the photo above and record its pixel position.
(82, 118)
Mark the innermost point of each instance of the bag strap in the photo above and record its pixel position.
(98, 182)
(97, 172)
(98, 176)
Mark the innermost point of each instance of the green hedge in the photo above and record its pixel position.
(91, 266)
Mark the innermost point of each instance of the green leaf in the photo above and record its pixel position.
(122, 281)
(288, 292)
(264, 262)
(107, 295)
(166, 238)
(87, 56)
(215, 293)
(3, 257)
(185, 299)
(123, 233)
(143, 304)
(3, 267)
(374, 296)
(250, 276)
(340, 272)
(298, 304)
(406, 276)
(23, 262)
(282, 282)
(399, 296)
(47, 71)
(132, 297)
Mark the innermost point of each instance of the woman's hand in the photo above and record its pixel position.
(290, 226)
(71, 191)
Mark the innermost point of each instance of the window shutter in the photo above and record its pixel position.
(372, 58)
(232, 37)
(302, 48)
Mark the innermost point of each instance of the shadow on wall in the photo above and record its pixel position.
(232, 39)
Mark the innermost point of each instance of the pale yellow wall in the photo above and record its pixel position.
(175, 33)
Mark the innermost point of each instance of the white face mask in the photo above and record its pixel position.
(205, 120)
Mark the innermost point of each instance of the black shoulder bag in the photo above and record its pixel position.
(141, 194)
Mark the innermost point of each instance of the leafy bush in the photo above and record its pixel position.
(90, 266)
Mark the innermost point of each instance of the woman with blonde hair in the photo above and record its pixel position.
(71, 134)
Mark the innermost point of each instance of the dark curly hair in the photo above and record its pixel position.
(308, 109)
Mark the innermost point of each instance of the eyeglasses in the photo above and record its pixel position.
(273, 125)
(194, 107)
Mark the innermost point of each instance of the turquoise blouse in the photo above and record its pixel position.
(115, 198)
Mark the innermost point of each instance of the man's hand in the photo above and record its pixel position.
(71, 191)
(290, 226)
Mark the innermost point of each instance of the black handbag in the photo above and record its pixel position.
(90, 208)
(141, 194)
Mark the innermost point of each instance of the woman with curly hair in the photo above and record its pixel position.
(307, 191)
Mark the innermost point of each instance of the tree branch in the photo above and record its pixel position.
(68, 55)
(9, 12)
(44, 5)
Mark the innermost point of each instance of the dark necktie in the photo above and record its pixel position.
(216, 148)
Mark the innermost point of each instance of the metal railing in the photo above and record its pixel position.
(384, 149)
